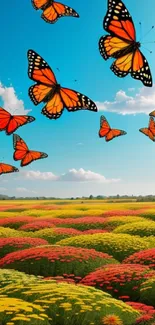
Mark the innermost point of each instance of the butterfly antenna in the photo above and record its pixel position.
(148, 32)
(140, 24)
(147, 49)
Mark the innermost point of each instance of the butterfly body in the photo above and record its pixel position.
(121, 44)
(52, 93)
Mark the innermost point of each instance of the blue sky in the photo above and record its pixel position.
(79, 163)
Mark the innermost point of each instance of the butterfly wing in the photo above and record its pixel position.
(104, 127)
(152, 114)
(5, 169)
(150, 131)
(17, 121)
(4, 119)
(39, 71)
(140, 69)
(70, 99)
(32, 156)
(111, 46)
(54, 108)
(113, 133)
(20, 147)
(56, 10)
(118, 21)
(39, 4)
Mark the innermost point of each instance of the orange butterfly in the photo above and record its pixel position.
(10, 123)
(52, 10)
(5, 169)
(23, 153)
(150, 131)
(107, 132)
(47, 90)
(152, 114)
(121, 44)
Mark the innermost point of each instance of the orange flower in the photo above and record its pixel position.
(112, 320)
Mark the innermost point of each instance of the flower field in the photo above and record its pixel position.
(77, 262)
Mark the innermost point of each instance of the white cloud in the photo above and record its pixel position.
(10, 100)
(73, 175)
(142, 102)
(3, 189)
(81, 175)
(40, 175)
(24, 190)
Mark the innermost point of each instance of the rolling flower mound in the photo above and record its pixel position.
(144, 228)
(8, 245)
(8, 232)
(148, 214)
(56, 260)
(119, 246)
(121, 281)
(56, 234)
(12, 276)
(148, 312)
(117, 213)
(37, 225)
(17, 311)
(113, 222)
(84, 223)
(147, 292)
(145, 257)
(80, 304)
(15, 222)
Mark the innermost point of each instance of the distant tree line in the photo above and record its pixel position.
(110, 199)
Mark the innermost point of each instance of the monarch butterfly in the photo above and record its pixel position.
(23, 153)
(152, 114)
(5, 169)
(121, 44)
(107, 132)
(47, 90)
(150, 131)
(10, 123)
(52, 10)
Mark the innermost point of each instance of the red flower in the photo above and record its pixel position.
(120, 279)
(16, 221)
(116, 213)
(145, 257)
(55, 260)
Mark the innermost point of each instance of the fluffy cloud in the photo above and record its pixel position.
(10, 100)
(40, 175)
(24, 190)
(73, 175)
(142, 102)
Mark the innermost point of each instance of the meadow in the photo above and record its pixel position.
(76, 262)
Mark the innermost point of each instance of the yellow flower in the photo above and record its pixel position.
(112, 320)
